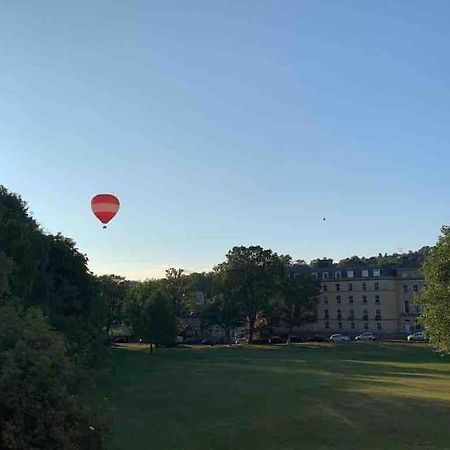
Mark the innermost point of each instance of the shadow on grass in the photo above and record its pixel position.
(325, 397)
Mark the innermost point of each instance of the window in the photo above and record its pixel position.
(376, 272)
(327, 324)
(378, 325)
(415, 288)
(324, 274)
(364, 273)
(366, 326)
(377, 299)
(339, 313)
(352, 325)
(324, 287)
(364, 286)
(364, 299)
(350, 299)
(350, 286)
(338, 287)
(365, 315)
(315, 275)
(405, 288)
(378, 314)
(326, 314)
(337, 274)
(377, 286)
(325, 300)
(338, 299)
(407, 306)
(350, 273)
(340, 325)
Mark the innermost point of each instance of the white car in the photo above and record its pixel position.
(420, 336)
(365, 337)
(339, 338)
(241, 341)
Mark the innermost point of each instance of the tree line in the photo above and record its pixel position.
(254, 287)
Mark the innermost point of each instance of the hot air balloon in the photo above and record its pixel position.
(105, 207)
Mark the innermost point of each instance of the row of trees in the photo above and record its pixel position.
(253, 287)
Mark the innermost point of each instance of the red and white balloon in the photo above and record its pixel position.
(105, 207)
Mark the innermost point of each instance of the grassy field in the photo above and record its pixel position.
(349, 396)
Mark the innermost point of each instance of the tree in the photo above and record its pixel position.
(435, 297)
(5, 272)
(180, 290)
(297, 296)
(223, 312)
(250, 276)
(43, 404)
(73, 302)
(50, 272)
(113, 293)
(151, 315)
(160, 317)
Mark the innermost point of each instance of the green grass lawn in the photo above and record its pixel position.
(348, 396)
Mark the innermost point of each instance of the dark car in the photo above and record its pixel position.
(315, 339)
(276, 340)
(120, 340)
(297, 339)
(208, 342)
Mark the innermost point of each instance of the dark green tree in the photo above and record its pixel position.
(49, 271)
(181, 291)
(43, 402)
(435, 297)
(251, 274)
(225, 309)
(297, 300)
(151, 314)
(114, 291)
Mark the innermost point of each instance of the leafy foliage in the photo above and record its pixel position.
(435, 297)
(249, 274)
(297, 300)
(40, 390)
(180, 290)
(44, 373)
(113, 295)
(48, 271)
(151, 314)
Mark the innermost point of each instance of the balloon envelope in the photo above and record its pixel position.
(105, 206)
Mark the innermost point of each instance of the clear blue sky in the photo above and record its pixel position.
(222, 123)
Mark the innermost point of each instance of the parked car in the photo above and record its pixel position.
(241, 341)
(365, 337)
(315, 338)
(276, 340)
(208, 342)
(339, 338)
(420, 336)
(296, 339)
(120, 340)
